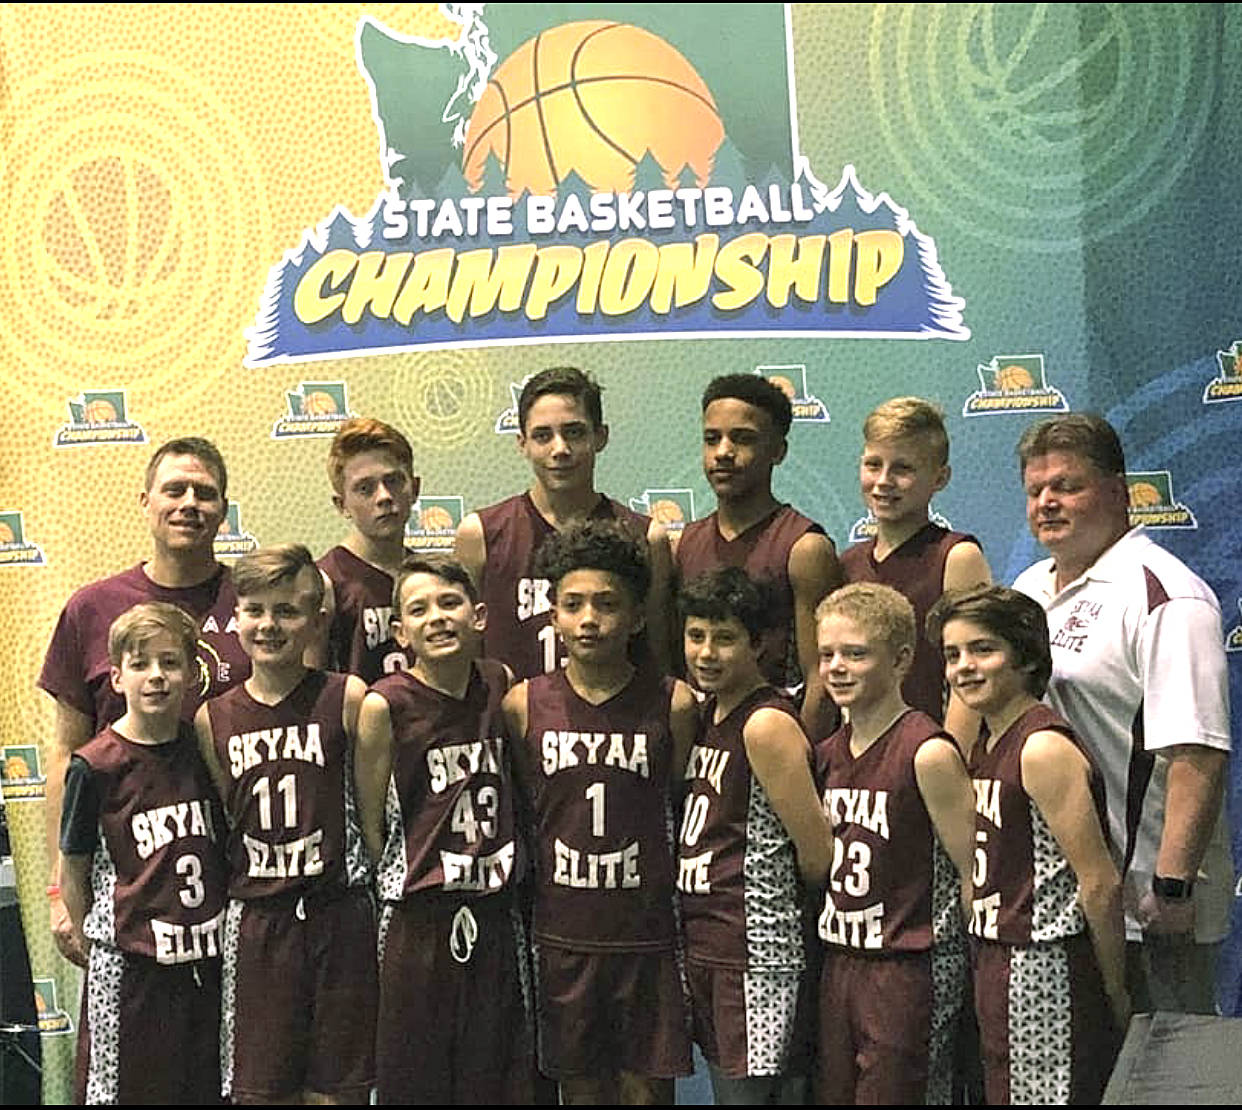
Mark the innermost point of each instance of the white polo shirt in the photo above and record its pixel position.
(1138, 664)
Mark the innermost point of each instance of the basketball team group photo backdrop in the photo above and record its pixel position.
(251, 222)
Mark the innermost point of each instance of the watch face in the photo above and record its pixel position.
(1172, 889)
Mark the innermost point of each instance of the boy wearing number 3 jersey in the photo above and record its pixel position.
(598, 747)
(298, 1014)
(144, 879)
(435, 792)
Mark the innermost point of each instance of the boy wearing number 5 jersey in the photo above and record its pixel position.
(598, 747)
(436, 798)
(144, 879)
(298, 1015)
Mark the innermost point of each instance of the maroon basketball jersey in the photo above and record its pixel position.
(1024, 888)
(763, 552)
(158, 875)
(892, 887)
(519, 628)
(916, 571)
(596, 781)
(741, 895)
(76, 668)
(289, 792)
(360, 640)
(449, 817)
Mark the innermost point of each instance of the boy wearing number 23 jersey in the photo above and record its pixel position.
(598, 748)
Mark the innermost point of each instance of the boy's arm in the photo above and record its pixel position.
(319, 655)
(470, 547)
(950, 799)
(965, 566)
(351, 706)
(75, 889)
(1056, 776)
(660, 607)
(780, 758)
(71, 730)
(79, 835)
(684, 725)
(207, 749)
(372, 769)
(813, 574)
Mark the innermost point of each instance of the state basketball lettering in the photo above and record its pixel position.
(250, 749)
(182, 944)
(532, 598)
(377, 624)
(453, 763)
(480, 873)
(157, 828)
(597, 870)
(709, 765)
(564, 748)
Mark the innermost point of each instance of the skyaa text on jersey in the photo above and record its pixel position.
(705, 765)
(474, 813)
(851, 868)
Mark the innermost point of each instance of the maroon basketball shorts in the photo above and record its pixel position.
(1045, 1027)
(454, 1024)
(602, 1013)
(149, 1032)
(750, 1022)
(299, 996)
(887, 1026)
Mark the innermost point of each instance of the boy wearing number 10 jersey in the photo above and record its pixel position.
(436, 797)
(598, 746)
(298, 1014)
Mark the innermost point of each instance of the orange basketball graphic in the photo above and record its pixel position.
(665, 511)
(6, 533)
(99, 411)
(15, 767)
(319, 403)
(40, 1003)
(784, 385)
(592, 97)
(1014, 378)
(435, 517)
(1143, 495)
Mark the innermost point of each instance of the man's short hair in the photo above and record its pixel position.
(753, 389)
(365, 433)
(202, 449)
(729, 592)
(909, 418)
(1008, 615)
(878, 609)
(449, 570)
(566, 381)
(137, 625)
(266, 567)
(1079, 433)
(596, 545)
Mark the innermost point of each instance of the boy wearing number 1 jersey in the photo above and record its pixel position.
(436, 798)
(298, 1014)
(598, 746)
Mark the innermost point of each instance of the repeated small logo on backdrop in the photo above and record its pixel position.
(315, 409)
(1014, 383)
(15, 549)
(233, 541)
(791, 380)
(433, 524)
(1152, 502)
(1233, 641)
(674, 508)
(53, 1021)
(507, 422)
(99, 416)
(21, 774)
(865, 527)
(1228, 387)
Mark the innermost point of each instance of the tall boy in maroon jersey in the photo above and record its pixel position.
(599, 747)
(184, 499)
(436, 796)
(299, 984)
(561, 431)
(1046, 904)
(905, 462)
(144, 879)
(901, 807)
(746, 421)
(374, 487)
(751, 834)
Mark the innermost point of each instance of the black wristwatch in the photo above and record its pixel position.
(1171, 890)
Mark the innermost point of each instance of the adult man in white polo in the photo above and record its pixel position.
(1139, 671)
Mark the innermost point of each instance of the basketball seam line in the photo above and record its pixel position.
(538, 98)
(573, 85)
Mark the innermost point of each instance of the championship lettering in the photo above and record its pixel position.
(708, 764)
(853, 928)
(452, 763)
(532, 597)
(157, 828)
(868, 808)
(477, 873)
(987, 800)
(249, 749)
(182, 944)
(300, 858)
(596, 870)
(565, 748)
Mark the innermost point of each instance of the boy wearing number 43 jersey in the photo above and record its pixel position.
(436, 798)
(298, 1015)
(599, 746)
